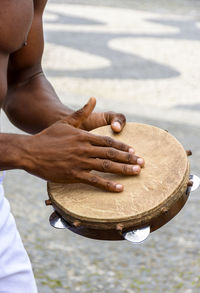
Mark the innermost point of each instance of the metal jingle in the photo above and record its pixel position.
(57, 221)
(196, 182)
(137, 236)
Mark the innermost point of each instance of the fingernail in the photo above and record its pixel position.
(131, 150)
(117, 125)
(119, 187)
(140, 161)
(136, 169)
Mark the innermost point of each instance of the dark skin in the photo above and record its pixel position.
(60, 148)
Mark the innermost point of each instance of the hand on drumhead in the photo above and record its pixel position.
(98, 119)
(63, 153)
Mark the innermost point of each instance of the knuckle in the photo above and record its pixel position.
(74, 173)
(109, 115)
(98, 162)
(111, 154)
(94, 180)
(85, 164)
(68, 172)
(76, 153)
(78, 113)
(121, 117)
(83, 138)
(106, 165)
(91, 137)
(129, 158)
(125, 169)
(86, 151)
(122, 146)
(80, 136)
(108, 140)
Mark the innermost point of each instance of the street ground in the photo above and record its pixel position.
(142, 59)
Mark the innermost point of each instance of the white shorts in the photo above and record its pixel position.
(16, 275)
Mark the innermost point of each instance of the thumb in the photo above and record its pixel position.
(116, 120)
(77, 118)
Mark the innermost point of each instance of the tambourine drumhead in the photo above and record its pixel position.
(152, 198)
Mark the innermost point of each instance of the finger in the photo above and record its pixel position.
(117, 120)
(114, 167)
(77, 118)
(116, 156)
(97, 181)
(107, 141)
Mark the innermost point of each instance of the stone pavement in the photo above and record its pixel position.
(142, 59)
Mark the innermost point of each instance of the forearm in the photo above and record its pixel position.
(14, 151)
(34, 105)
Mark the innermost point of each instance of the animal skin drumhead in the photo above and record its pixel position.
(159, 184)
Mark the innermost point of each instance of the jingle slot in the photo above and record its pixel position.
(137, 236)
(194, 183)
(57, 221)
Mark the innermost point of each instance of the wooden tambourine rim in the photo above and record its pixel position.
(178, 197)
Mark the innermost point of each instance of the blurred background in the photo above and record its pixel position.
(141, 58)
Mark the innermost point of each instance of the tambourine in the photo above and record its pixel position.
(148, 201)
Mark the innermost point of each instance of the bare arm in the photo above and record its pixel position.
(34, 105)
(31, 102)
(28, 86)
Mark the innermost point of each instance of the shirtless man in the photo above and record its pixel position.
(60, 148)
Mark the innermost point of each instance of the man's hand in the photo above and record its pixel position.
(64, 153)
(95, 120)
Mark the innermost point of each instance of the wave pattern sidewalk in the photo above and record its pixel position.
(144, 62)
